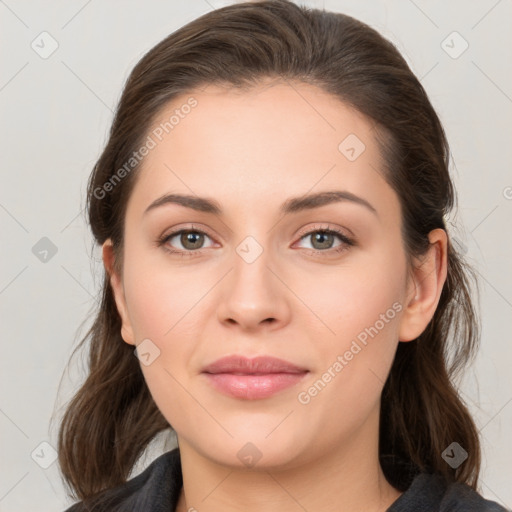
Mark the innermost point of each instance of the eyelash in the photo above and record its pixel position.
(346, 241)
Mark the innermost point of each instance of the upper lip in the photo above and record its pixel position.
(261, 365)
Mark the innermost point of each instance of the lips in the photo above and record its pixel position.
(255, 378)
(258, 365)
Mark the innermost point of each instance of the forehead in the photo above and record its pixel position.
(275, 139)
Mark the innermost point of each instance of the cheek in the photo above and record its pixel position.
(166, 305)
(362, 307)
(352, 297)
(161, 297)
(164, 308)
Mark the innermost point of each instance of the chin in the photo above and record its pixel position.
(255, 449)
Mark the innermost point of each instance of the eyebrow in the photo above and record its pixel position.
(292, 205)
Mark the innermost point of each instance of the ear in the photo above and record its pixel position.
(117, 287)
(425, 286)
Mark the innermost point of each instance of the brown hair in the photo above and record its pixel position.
(112, 417)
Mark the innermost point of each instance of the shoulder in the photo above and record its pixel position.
(461, 497)
(431, 492)
(155, 489)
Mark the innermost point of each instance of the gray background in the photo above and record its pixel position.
(56, 112)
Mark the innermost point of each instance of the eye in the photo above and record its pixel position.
(324, 240)
(191, 241)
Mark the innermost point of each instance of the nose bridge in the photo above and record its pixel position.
(251, 283)
(252, 293)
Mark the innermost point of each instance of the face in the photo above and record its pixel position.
(303, 261)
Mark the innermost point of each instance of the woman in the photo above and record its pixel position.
(270, 205)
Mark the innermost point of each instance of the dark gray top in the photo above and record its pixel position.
(157, 489)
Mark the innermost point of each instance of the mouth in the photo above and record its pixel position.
(252, 379)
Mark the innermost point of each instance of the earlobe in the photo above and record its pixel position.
(425, 286)
(116, 284)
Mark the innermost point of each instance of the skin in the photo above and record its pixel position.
(250, 151)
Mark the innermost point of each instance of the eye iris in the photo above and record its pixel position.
(192, 237)
(321, 237)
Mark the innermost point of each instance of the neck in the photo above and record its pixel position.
(346, 479)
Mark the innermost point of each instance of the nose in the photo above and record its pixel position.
(253, 295)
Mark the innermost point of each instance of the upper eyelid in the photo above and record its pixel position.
(329, 228)
(193, 229)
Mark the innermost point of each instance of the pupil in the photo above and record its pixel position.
(322, 237)
(191, 238)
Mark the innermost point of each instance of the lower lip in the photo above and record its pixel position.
(253, 387)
